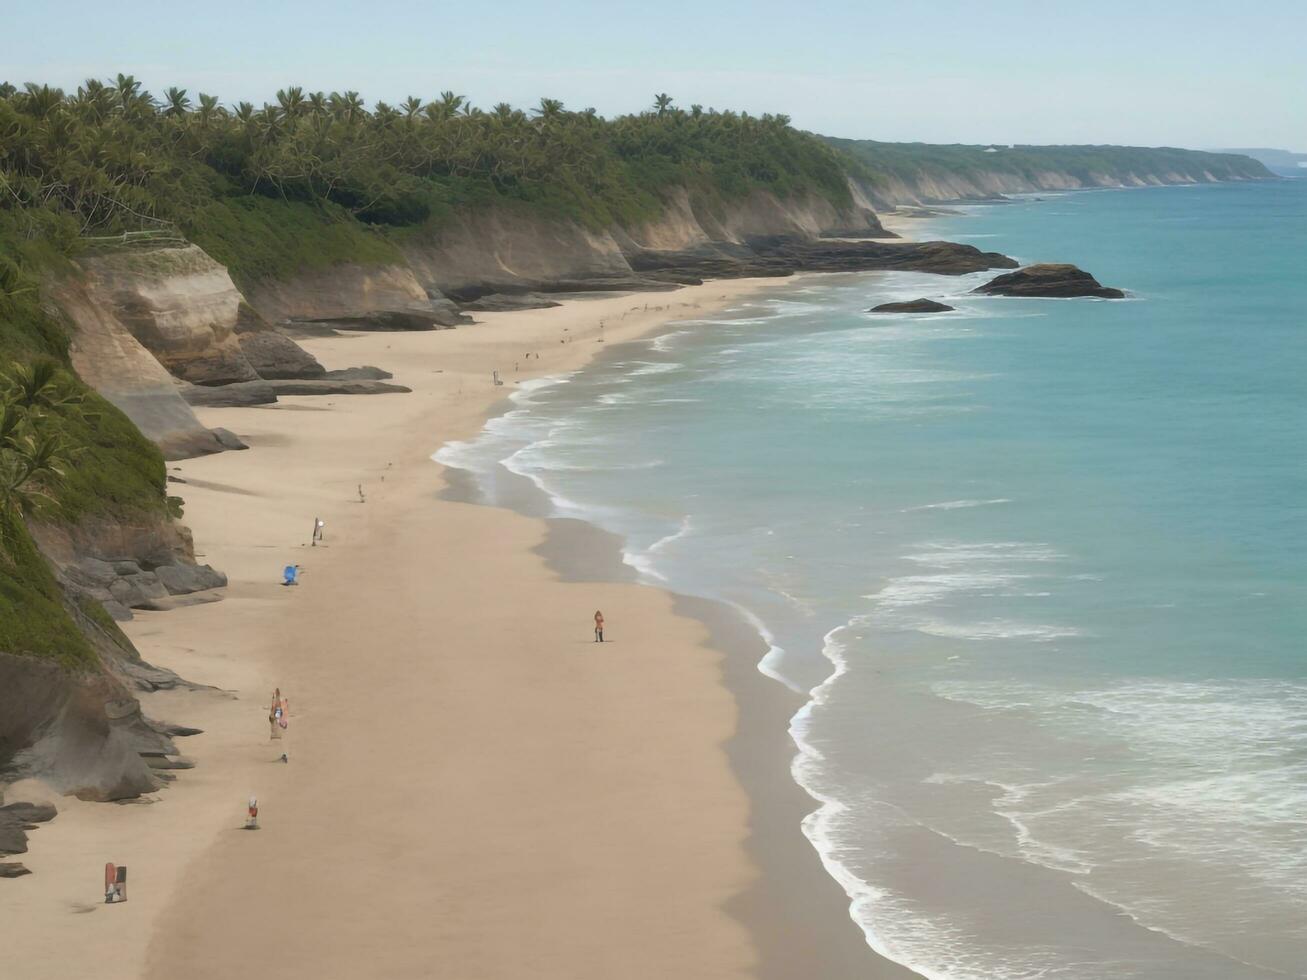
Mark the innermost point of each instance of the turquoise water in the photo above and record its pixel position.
(1040, 561)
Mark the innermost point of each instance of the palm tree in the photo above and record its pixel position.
(41, 101)
(662, 103)
(291, 100)
(549, 109)
(209, 110)
(31, 453)
(177, 104)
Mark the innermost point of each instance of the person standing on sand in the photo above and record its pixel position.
(599, 626)
(277, 714)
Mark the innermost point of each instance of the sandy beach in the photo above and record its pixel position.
(475, 787)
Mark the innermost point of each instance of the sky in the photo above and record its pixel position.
(1194, 74)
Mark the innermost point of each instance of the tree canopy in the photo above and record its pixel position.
(111, 157)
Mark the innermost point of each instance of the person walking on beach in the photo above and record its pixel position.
(599, 626)
(277, 720)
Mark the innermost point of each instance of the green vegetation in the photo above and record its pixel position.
(34, 458)
(314, 178)
(909, 161)
(33, 619)
(65, 454)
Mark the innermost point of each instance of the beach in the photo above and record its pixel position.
(475, 788)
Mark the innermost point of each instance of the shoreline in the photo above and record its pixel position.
(797, 912)
(197, 885)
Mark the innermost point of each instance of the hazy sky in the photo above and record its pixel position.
(1193, 73)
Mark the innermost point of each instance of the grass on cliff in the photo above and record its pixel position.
(113, 472)
(33, 620)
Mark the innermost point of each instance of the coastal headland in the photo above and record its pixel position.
(469, 784)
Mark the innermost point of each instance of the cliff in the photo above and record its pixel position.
(895, 174)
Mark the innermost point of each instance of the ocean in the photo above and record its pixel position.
(1040, 564)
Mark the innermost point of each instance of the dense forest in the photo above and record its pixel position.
(1086, 164)
(242, 180)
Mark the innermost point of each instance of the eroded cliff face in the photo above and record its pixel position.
(937, 186)
(109, 358)
(179, 304)
(342, 290)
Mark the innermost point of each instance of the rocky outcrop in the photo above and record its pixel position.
(783, 256)
(80, 732)
(125, 566)
(337, 386)
(241, 395)
(384, 320)
(505, 302)
(275, 356)
(16, 819)
(1052, 280)
(912, 306)
(179, 304)
(111, 360)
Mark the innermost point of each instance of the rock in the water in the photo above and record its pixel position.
(912, 306)
(273, 355)
(184, 579)
(1055, 280)
(12, 869)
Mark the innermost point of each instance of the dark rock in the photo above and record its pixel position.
(324, 387)
(434, 319)
(275, 356)
(139, 591)
(179, 731)
(1056, 280)
(164, 762)
(230, 396)
(912, 306)
(29, 812)
(126, 566)
(471, 293)
(116, 610)
(92, 573)
(13, 839)
(12, 869)
(785, 255)
(227, 439)
(221, 364)
(505, 302)
(147, 677)
(364, 373)
(183, 579)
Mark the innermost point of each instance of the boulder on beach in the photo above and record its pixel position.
(912, 306)
(1056, 280)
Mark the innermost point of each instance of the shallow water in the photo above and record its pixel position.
(1051, 549)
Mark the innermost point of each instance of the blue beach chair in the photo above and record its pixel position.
(290, 575)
